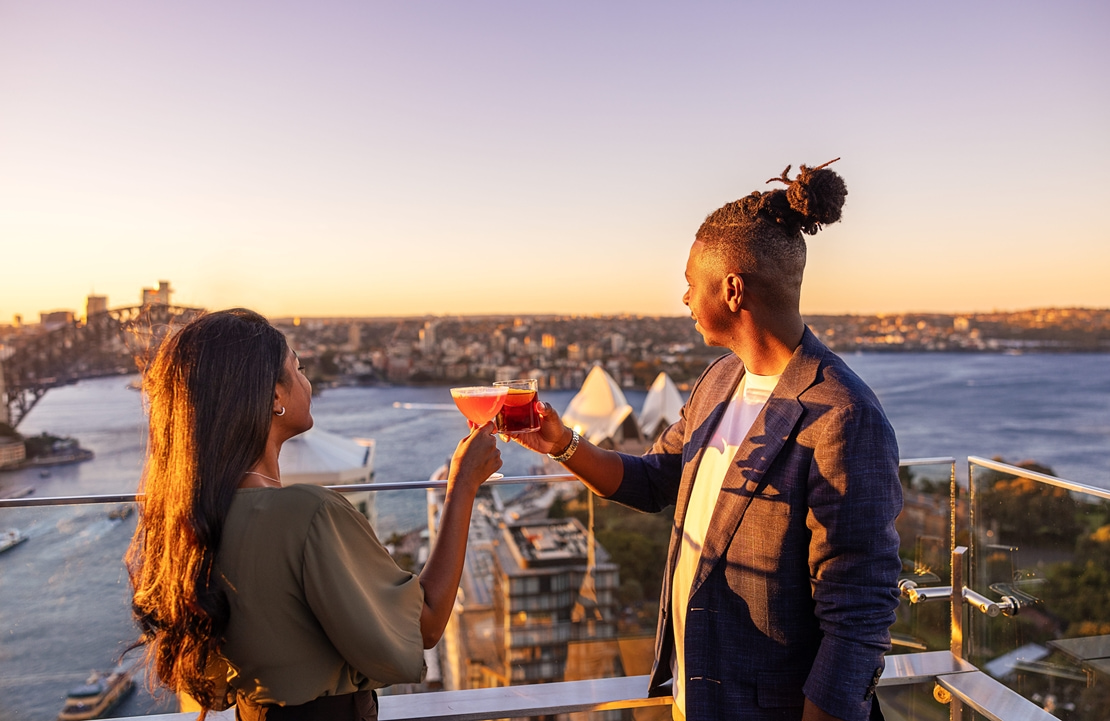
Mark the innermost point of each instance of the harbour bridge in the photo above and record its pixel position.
(114, 342)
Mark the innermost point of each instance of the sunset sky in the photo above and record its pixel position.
(366, 158)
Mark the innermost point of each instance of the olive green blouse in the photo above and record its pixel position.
(318, 607)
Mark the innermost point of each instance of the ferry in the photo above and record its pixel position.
(65, 456)
(121, 512)
(97, 695)
(10, 539)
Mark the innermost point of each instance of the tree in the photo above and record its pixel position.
(636, 541)
(1078, 592)
(1038, 513)
(558, 508)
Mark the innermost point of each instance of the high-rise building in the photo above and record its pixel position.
(95, 304)
(554, 610)
(159, 295)
(5, 417)
(428, 337)
(54, 319)
(12, 450)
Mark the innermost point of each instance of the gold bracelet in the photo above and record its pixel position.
(569, 450)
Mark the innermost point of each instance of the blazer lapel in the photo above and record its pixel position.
(746, 476)
(700, 437)
(705, 418)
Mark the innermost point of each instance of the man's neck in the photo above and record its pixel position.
(766, 348)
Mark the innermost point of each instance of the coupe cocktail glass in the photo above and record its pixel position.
(480, 404)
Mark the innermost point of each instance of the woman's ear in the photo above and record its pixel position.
(279, 399)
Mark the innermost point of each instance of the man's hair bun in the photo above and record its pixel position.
(816, 195)
(777, 218)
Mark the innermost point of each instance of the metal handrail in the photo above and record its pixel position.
(348, 488)
(926, 461)
(1035, 476)
(27, 502)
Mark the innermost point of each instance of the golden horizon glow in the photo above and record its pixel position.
(331, 165)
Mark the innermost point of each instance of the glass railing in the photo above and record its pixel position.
(563, 614)
(925, 529)
(64, 606)
(578, 635)
(926, 532)
(1040, 551)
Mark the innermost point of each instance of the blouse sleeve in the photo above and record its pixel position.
(368, 606)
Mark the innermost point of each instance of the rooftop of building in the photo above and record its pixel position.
(544, 544)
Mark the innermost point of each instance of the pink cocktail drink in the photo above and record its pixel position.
(480, 404)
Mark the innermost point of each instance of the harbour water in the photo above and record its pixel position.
(63, 594)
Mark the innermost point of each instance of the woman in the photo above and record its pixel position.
(278, 599)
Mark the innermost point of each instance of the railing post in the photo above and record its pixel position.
(956, 642)
(956, 645)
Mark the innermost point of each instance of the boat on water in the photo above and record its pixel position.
(73, 454)
(11, 538)
(99, 694)
(121, 512)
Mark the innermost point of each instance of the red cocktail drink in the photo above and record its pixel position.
(518, 414)
(479, 403)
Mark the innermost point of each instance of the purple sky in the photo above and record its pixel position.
(365, 158)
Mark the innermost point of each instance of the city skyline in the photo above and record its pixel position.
(161, 293)
(368, 160)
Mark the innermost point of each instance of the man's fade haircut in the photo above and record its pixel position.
(760, 235)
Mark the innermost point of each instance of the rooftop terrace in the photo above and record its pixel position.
(1003, 614)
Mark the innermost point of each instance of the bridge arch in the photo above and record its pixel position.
(115, 342)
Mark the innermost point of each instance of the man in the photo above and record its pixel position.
(780, 583)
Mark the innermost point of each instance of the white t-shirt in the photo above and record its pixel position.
(746, 403)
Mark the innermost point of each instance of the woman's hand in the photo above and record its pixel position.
(552, 435)
(475, 458)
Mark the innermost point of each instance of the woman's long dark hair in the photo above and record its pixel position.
(210, 392)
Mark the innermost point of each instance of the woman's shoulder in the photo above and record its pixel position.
(303, 498)
(297, 511)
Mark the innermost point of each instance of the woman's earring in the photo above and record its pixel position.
(281, 413)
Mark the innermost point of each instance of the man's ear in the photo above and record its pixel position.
(734, 291)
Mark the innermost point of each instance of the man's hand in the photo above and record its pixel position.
(813, 713)
(552, 436)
